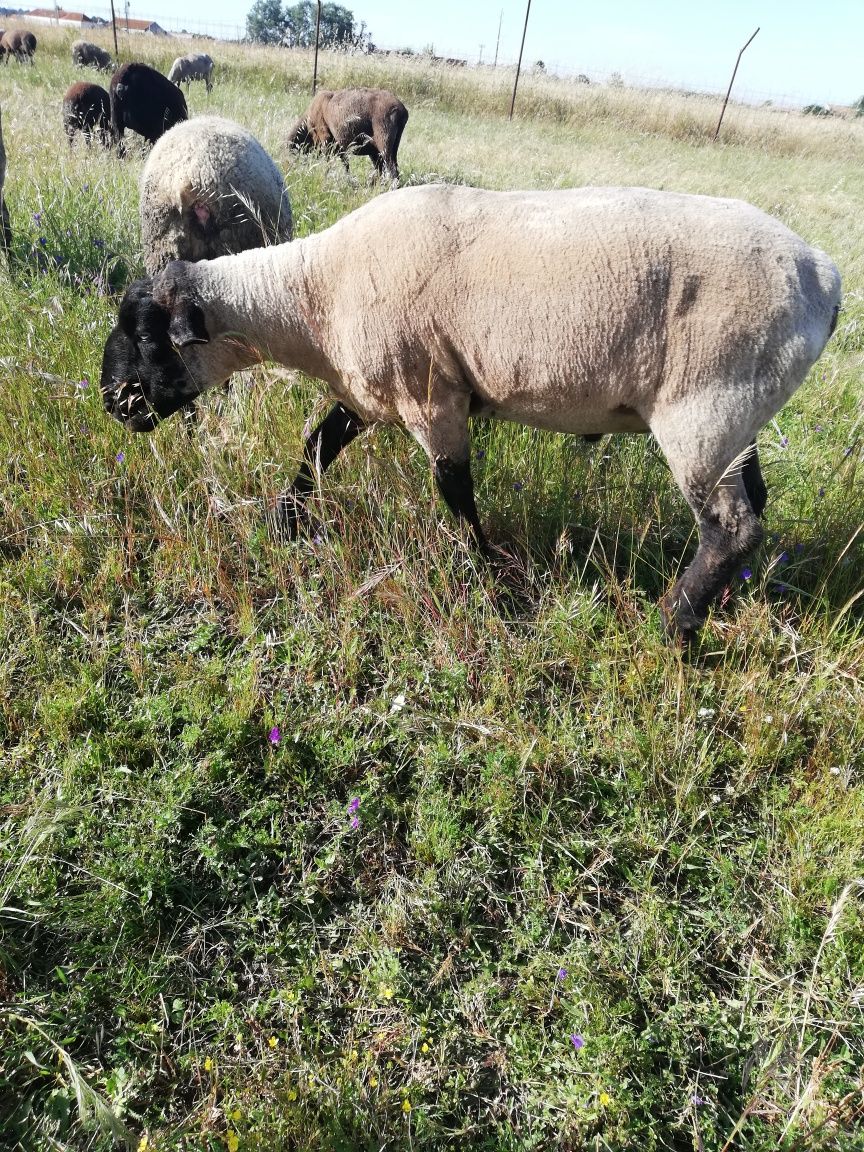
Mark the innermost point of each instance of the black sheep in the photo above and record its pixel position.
(144, 101)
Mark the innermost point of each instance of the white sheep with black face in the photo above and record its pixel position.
(584, 311)
(209, 189)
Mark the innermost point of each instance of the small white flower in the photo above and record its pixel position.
(705, 713)
(835, 771)
(398, 703)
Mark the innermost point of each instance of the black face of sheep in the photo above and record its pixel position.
(144, 376)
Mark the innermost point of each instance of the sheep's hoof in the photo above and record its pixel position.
(288, 518)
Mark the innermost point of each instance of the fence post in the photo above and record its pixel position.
(317, 34)
(519, 64)
(114, 26)
(729, 89)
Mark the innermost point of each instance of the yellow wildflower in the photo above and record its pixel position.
(273, 1041)
(424, 1047)
(233, 1141)
(292, 1094)
(236, 1114)
(144, 1143)
(385, 991)
(605, 1099)
(208, 1065)
(373, 1082)
(406, 1106)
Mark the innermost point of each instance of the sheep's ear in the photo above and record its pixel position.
(187, 325)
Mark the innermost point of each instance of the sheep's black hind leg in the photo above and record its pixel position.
(754, 485)
(456, 486)
(729, 530)
(336, 431)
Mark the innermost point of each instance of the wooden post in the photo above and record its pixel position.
(114, 26)
(519, 63)
(729, 89)
(498, 41)
(317, 34)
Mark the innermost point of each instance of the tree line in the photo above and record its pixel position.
(293, 26)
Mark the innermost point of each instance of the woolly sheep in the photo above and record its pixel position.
(590, 310)
(87, 55)
(21, 45)
(144, 101)
(209, 189)
(363, 121)
(87, 109)
(193, 66)
(5, 227)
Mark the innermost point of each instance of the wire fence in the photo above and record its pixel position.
(483, 57)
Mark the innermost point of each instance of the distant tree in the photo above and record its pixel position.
(265, 22)
(269, 22)
(816, 110)
(858, 106)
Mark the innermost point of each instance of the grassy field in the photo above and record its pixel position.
(340, 845)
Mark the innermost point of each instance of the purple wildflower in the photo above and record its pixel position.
(746, 573)
(517, 487)
(697, 1100)
(821, 492)
(97, 243)
(481, 453)
(784, 441)
(355, 823)
(121, 456)
(818, 428)
(354, 805)
(577, 1041)
(275, 735)
(847, 452)
(562, 975)
(799, 547)
(783, 557)
(37, 216)
(83, 383)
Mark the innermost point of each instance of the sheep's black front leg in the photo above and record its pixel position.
(338, 428)
(456, 486)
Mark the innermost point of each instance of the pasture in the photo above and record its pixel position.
(348, 844)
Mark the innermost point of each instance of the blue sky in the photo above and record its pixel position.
(812, 51)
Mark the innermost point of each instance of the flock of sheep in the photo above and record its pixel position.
(587, 311)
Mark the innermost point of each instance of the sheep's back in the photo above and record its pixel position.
(217, 163)
(525, 296)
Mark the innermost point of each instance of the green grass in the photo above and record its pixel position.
(196, 946)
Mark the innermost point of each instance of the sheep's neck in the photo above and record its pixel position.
(258, 304)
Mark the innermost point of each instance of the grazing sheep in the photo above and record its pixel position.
(360, 121)
(144, 101)
(21, 45)
(87, 55)
(5, 227)
(87, 108)
(581, 311)
(209, 189)
(193, 66)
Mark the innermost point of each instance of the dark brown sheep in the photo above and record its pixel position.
(354, 121)
(21, 45)
(144, 101)
(87, 109)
